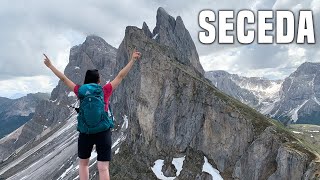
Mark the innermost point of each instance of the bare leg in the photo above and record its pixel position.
(103, 167)
(84, 169)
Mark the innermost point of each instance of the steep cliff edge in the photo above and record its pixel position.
(174, 111)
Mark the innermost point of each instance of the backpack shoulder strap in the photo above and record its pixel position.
(110, 111)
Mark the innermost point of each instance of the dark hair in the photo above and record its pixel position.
(92, 76)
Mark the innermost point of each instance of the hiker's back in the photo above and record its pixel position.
(92, 117)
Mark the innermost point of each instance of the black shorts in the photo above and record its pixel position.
(102, 141)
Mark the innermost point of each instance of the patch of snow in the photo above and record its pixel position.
(155, 36)
(122, 136)
(93, 154)
(294, 112)
(290, 83)
(316, 100)
(117, 151)
(77, 67)
(120, 139)
(24, 177)
(297, 132)
(311, 136)
(65, 172)
(178, 163)
(53, 100)
(313, 131)
(157, 170)
(207, 167)
(125, 122)
(71, 94)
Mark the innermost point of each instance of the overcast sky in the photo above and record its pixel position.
(29, 28)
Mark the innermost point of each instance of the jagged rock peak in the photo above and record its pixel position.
(96, 40)
(146, 30)
(173, 33)
(163, 19)
(92, 42)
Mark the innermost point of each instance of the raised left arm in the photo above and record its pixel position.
(59, 74)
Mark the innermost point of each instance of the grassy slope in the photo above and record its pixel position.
(309, 133)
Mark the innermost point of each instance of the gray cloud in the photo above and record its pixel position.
(30, 28)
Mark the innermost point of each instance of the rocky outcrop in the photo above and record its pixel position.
(204, 176)
(291, 164)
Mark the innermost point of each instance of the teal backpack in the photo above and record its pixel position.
(92, 117)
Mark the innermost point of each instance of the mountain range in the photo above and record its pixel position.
(294, 100)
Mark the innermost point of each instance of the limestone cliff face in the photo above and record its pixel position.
(174, 111)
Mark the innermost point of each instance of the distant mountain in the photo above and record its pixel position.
(299, 100)
(259, 93)
(16, 112)
(293, 100)
(17, 95)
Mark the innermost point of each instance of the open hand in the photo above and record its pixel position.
(135, 55)
(47, 61)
